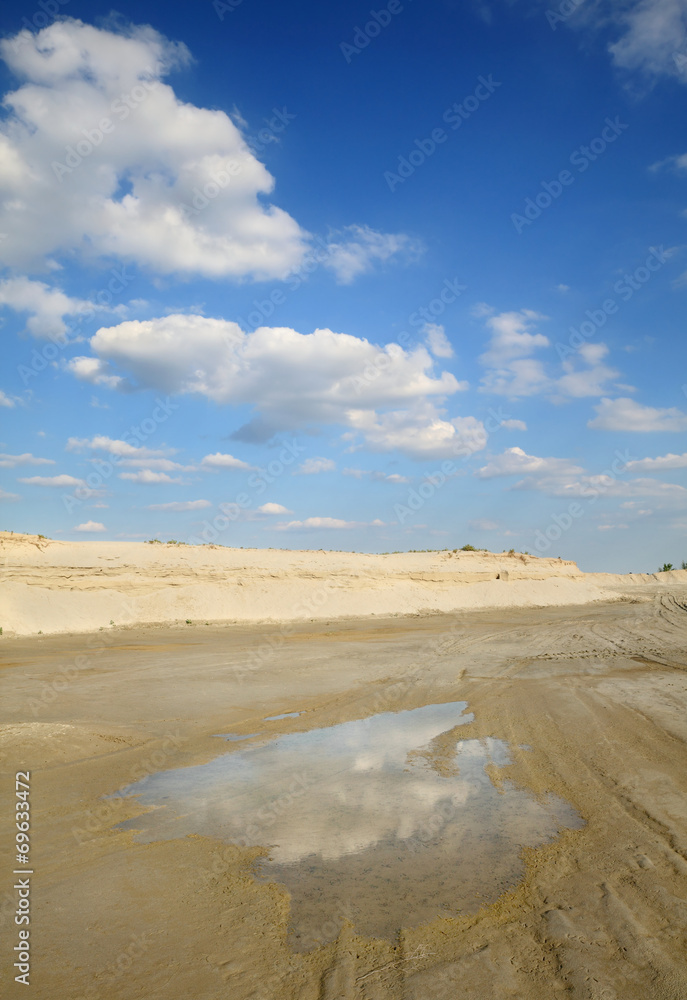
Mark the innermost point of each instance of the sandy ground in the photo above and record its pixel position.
(53, 586)
(597, 690)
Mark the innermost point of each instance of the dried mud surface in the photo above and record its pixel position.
(598, 693)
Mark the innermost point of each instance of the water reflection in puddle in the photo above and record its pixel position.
(388, 821)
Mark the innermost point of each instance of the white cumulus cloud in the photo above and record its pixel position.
(515, 462)
(667, 462)
(326, 523)
(128, 190)
(291, 379)
(90, 526)
(356, 249)
(63, 480)
(221, 461)
(148, 477)
(11, 461)
(311, 466)
(437, 341)
(625, 414)
(181, 505)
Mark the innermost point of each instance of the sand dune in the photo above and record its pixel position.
(55, 586)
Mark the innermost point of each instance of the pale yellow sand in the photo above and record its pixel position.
(55, 586)
(597, 691)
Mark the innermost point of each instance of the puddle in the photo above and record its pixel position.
(389, 821)
(284, 715)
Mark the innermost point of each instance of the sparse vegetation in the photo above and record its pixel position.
(468, 548)
(666, 567)
(189, 622)
(684, 564)
(153, 541)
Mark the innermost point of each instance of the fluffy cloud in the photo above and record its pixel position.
(589, 381)
(4, 495)
(515, 462)
(291, 379)
(181, 505)
(273, 508)
(148, 477)
(514, 425)
(437, 341)
(319, 523)
(420, 433)
(6, 400)
(511, 337)
(376, 476)
(587, 486)
(12, 461)
(62, 480)
(114, 446)
(625, 414)
(654, 33)
(657, 464)
(311, 466)
(126, 454)
(511, 372)
(100, 158)
(90, 526)
(123, 189)
(91, 370)
(220, 461)
(356, 249)
(46, 307)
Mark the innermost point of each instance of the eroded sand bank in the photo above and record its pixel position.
(598, 693)
(53, 586)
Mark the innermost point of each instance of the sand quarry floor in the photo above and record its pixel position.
(597, 692)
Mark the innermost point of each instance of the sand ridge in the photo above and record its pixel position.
(56, 586)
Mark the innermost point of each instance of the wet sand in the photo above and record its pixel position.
(597, 692)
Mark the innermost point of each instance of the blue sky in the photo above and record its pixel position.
(344, 277)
